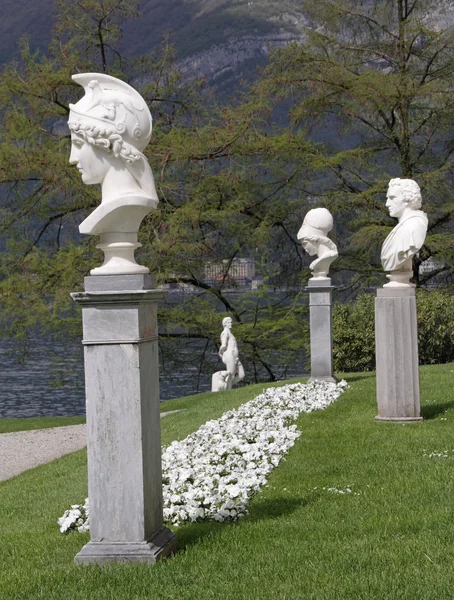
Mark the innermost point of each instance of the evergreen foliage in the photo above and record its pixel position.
(222, 180)
(374, 80)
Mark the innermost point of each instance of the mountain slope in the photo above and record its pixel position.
(213, 37)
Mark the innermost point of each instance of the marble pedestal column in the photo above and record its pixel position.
(396, 343)
(320, 304)
(120, 335)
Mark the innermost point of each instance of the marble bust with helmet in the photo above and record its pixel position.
(110, 127)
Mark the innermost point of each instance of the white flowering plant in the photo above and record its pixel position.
(76, 518)
(213, 473)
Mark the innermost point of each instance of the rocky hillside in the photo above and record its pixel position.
(223, 40)
(219, 39)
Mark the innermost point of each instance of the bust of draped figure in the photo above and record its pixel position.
(406, 239)
(110, 127)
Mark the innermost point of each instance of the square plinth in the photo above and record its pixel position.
(162, 544)
(396, 340)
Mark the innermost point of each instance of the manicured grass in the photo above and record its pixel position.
(391, 538)
(8, 425)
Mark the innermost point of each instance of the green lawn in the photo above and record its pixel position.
(391, 538)
(7, 425)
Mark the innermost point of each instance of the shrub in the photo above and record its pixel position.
(354, 335)
(435, 326)
(354, 331)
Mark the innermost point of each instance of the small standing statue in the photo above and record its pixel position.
(224, 380)
(110, 127)
(314, 239)
(406, 239)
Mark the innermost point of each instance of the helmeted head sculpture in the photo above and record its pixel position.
(313, 236)
(110, 128)
(111, 118)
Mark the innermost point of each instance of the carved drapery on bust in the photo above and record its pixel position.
(110, 127)
(406, 239)
(313, 236)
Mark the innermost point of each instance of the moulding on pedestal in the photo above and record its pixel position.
(162, 544)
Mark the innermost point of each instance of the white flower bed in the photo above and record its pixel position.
(214, 472)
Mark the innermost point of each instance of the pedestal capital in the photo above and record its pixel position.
(116, 298)
(396, 292)
(114, 311)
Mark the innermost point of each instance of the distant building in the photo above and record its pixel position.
(429, 265)
(241, 271)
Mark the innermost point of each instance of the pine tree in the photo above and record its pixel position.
(373, 81)
(223, 183)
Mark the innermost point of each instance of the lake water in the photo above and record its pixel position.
(50, 382)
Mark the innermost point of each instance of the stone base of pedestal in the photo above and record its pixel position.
(321, 378)
(399, 419)
(396, 342)
(119, 316)
(162, 544)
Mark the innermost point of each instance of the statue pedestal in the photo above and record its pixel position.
(221, 381)
(320, 305)
(396, 343)
(120, 333)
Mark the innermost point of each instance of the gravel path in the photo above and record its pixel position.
(23, 450)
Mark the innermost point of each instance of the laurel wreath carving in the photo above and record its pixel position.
(105, 138)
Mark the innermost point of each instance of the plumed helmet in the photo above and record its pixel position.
(111, 103)
(317, 222)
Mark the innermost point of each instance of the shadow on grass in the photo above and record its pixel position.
(432, 411)
(277, 507)
(358, 376)
(192, 533)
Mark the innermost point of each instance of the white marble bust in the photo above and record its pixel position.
(406, 239)
(313, 235)
(110, 127)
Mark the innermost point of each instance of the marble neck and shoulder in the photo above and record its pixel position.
(402, 243)
(119, 184)
(409, 213)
